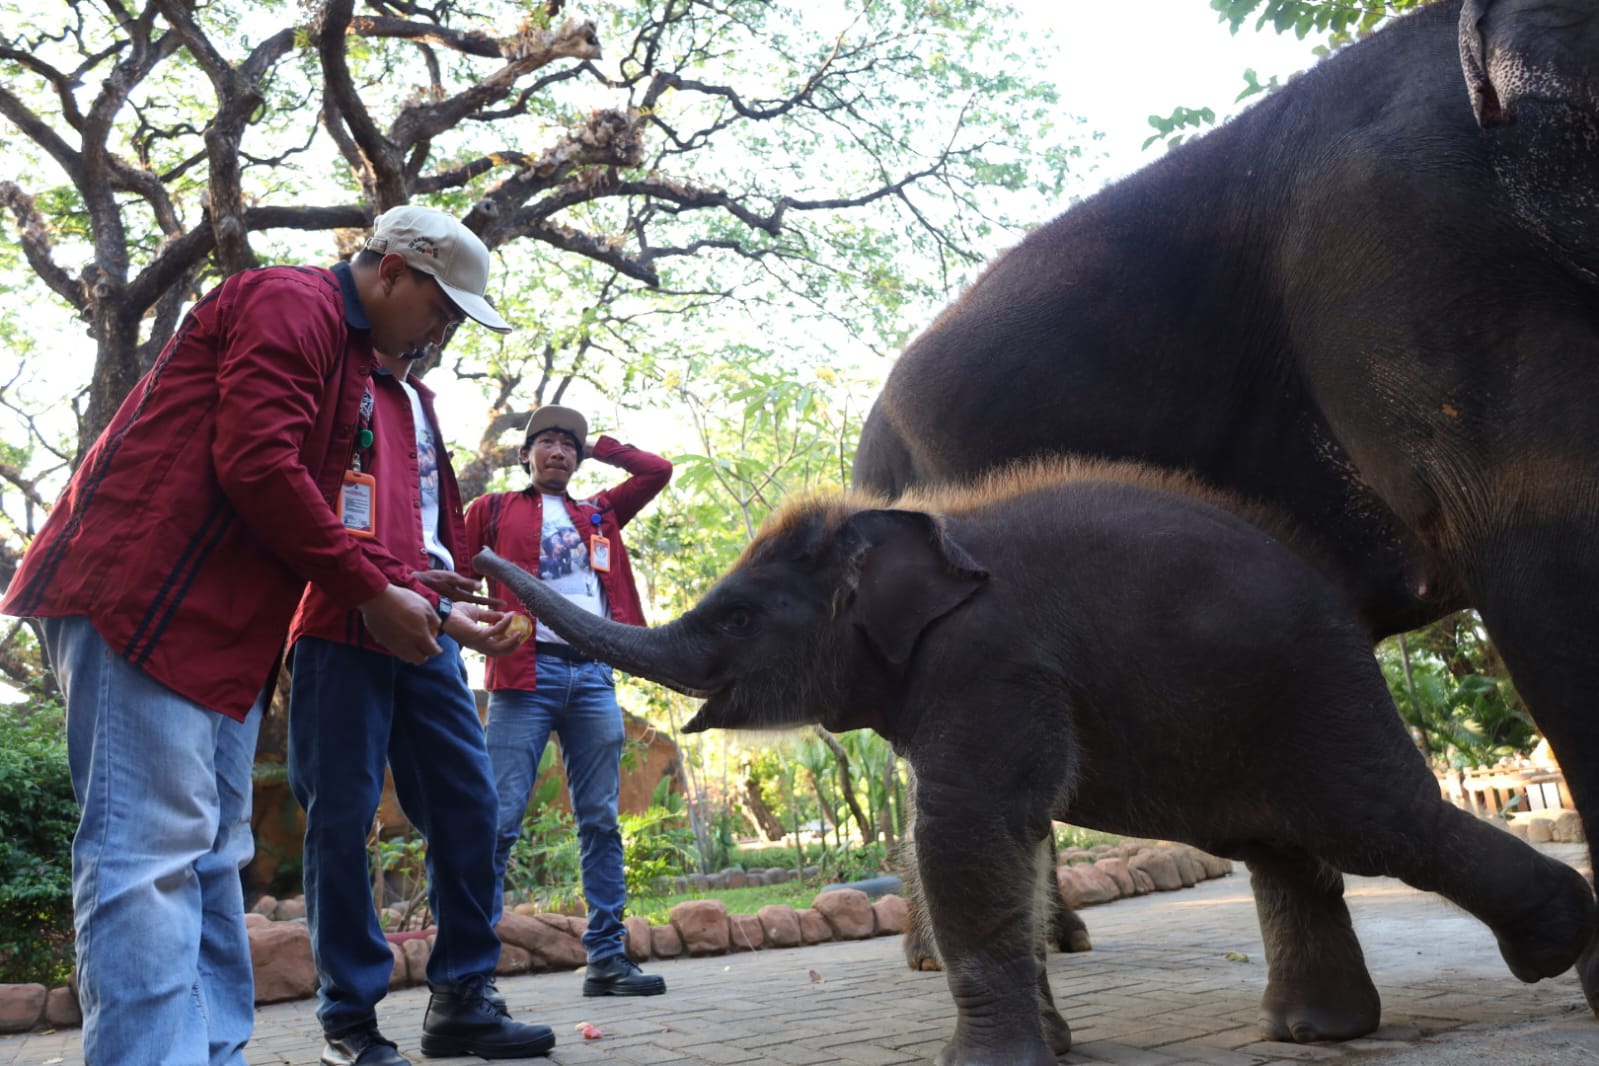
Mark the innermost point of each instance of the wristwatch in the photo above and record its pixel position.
(445, 607)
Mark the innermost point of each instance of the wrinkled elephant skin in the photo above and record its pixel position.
(1370, 300)
(1033, 647)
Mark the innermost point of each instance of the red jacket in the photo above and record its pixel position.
(192, 525)
(393, 462)
(512, 523)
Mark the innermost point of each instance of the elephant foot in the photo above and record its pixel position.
(1588, 973)
(1057, 1034)
(1032, 1053)
(920, 951)
(1070, 934)
(1303, 1011)
(1553, 932)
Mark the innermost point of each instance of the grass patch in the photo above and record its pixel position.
(1073, 836)
(796, 894)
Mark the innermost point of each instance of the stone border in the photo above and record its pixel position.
(1551, 826)
(280, 941)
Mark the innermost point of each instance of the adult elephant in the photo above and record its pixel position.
(1372, 300)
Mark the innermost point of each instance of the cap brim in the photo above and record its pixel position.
(475, 307)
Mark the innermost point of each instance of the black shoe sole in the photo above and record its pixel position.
(602, 988)
(446, 1047)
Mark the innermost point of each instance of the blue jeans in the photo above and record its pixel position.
(578, 701)
(164, 974)
(350, 712)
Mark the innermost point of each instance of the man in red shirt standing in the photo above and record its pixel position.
(576, 546)
(166, 577)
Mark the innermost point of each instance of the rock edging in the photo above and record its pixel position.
(280, 940)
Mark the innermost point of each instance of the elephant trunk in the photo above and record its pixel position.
(657, 654)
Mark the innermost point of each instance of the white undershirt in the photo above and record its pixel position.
(564, 564)
(427, 465)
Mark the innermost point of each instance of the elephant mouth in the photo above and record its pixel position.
(713, 713)
(691, 693)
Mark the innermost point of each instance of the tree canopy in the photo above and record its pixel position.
(662, 183)
(715, 209)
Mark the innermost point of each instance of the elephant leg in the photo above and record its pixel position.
(921, 949)
(1317, 986)
(1047, 906)
(1541, 911)
(1067, 931)
(1538, 593)
(981, 877)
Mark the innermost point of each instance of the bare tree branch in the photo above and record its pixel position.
(33, 231)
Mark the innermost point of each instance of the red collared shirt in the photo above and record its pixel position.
(192, 525)
(393, 462)
(512, 523)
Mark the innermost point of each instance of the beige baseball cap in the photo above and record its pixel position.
(551, 416)
(437, 244)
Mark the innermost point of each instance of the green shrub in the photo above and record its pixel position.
(38, 816)
(656, 844)
(544, 867)
(775, 856)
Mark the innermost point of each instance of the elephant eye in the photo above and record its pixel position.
(737, 620)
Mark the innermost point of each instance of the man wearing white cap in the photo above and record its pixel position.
(165, 579)
(354, 707)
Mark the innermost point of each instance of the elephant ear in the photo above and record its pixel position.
(909, 574)
(1527, 50)
(1474, 65)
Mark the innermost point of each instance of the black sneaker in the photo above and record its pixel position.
(620, 976)
(464, 1020)
(362, 1047)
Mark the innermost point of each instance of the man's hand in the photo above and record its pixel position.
(490, 632)
(454, 586)
(403, 622)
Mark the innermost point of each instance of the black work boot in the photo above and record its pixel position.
(491, 992)
(620, 976)
(462, 1019)
(362, 1047)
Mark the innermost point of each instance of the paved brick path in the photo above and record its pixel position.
(1157, 990)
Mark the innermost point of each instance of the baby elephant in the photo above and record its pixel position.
(1031, 645)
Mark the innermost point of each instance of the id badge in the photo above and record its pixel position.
(599, 553)
(358, 503)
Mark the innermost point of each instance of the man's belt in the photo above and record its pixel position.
(562, 651)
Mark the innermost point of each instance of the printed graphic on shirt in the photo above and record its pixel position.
(564, 563)
(427, 459)
(427, 472)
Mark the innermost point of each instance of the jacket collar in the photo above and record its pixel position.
(354, 311)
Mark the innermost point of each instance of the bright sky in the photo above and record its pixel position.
(1119, 61)
(1124, 60)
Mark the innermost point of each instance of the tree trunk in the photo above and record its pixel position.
(116, 370)
(847, 786)
(885, 817)
(759, 812)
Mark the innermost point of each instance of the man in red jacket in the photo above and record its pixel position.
(353, 708)
(576, 546)
(166, 577)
